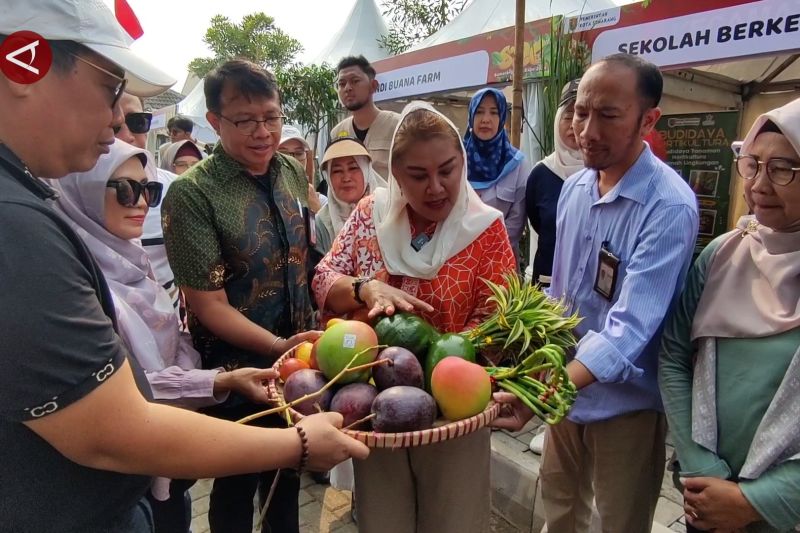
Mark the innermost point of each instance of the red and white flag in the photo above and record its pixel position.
(127, 19)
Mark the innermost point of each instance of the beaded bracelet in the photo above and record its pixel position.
(304, 443)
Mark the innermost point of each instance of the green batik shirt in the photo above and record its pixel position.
(227, 229)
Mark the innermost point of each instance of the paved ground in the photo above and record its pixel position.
(515, 472)
(322, 509)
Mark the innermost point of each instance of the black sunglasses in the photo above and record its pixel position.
(129, 191)
(138, 122)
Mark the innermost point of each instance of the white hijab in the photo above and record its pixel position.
(564, 161)
(468, 219)
(336, 212)
(145, 315)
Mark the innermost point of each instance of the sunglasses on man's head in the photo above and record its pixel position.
(129, 191)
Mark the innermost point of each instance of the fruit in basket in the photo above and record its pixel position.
(307, 381)
(340, 343)
(312, 358)
(303, 352)
(446, 345)
(290, 366)
(461, 389)
(362, 315)
(354, 402)
(403, 408)
(332, 322)
(407, 331)
(404, 369)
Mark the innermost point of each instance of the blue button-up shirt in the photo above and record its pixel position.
(649, 221)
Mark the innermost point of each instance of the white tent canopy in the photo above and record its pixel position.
(482, 16)
(358, 35)
(194, 107)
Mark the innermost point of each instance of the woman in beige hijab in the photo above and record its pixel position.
(730, 363)
(347, 167)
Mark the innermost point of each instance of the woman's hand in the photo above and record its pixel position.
(383, 299)
(249, 382)
(284, 345)
(313, 200)
(712, 503)
(327, 445)
(513, 413)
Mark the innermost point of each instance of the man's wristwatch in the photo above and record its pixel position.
(357, 284)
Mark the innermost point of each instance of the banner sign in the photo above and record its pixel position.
(467, 70)
(699, 149)
(757, 28)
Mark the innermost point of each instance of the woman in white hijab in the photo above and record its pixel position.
(347, 167)
(730, 364)
(424, 245)
(545, 182)
(106, 206)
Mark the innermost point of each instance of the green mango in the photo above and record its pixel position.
(446, 345)
(407, 331)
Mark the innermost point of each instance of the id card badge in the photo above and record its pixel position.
(605, 281)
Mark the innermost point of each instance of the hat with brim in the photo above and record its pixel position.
(289, 133)
(344, 147)
(143, 78)
(92, 24)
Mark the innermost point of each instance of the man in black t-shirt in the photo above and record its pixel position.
(78, 438)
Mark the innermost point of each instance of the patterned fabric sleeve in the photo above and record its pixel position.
(497, 258)
(190, 238)
(343, 257)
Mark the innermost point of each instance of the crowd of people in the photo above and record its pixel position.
(144, 304)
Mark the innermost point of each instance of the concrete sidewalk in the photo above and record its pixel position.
(322, 510)
(515, 493)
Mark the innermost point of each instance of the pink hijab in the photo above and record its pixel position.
(147, 320)
(753, 282)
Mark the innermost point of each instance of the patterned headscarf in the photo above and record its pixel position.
(147, 321)
(489, 161)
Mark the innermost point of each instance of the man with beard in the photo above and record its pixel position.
(355, 84)
(625, 229)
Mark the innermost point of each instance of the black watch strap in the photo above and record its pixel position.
(357, 284)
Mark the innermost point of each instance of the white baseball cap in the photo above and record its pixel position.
(290, 132)
(92, 24)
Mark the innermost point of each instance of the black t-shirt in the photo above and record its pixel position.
(57, 344)
(541, 202)
(360, 134)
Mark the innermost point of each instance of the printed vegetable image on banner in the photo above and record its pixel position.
(699, 149)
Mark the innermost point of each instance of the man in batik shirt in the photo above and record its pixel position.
(237, 242)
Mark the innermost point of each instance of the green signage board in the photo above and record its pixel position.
(699, 149)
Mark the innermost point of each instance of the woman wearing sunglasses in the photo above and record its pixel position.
(730, 364)
(106, 206)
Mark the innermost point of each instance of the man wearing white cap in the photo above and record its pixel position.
(79, 440)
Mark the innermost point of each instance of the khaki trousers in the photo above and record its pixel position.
(440, 488)
(619, 461)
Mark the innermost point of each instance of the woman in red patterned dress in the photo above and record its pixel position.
(423, 245)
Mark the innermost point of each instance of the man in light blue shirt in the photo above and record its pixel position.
(626, 229)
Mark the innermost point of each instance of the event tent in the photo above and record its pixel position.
(358, 35)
